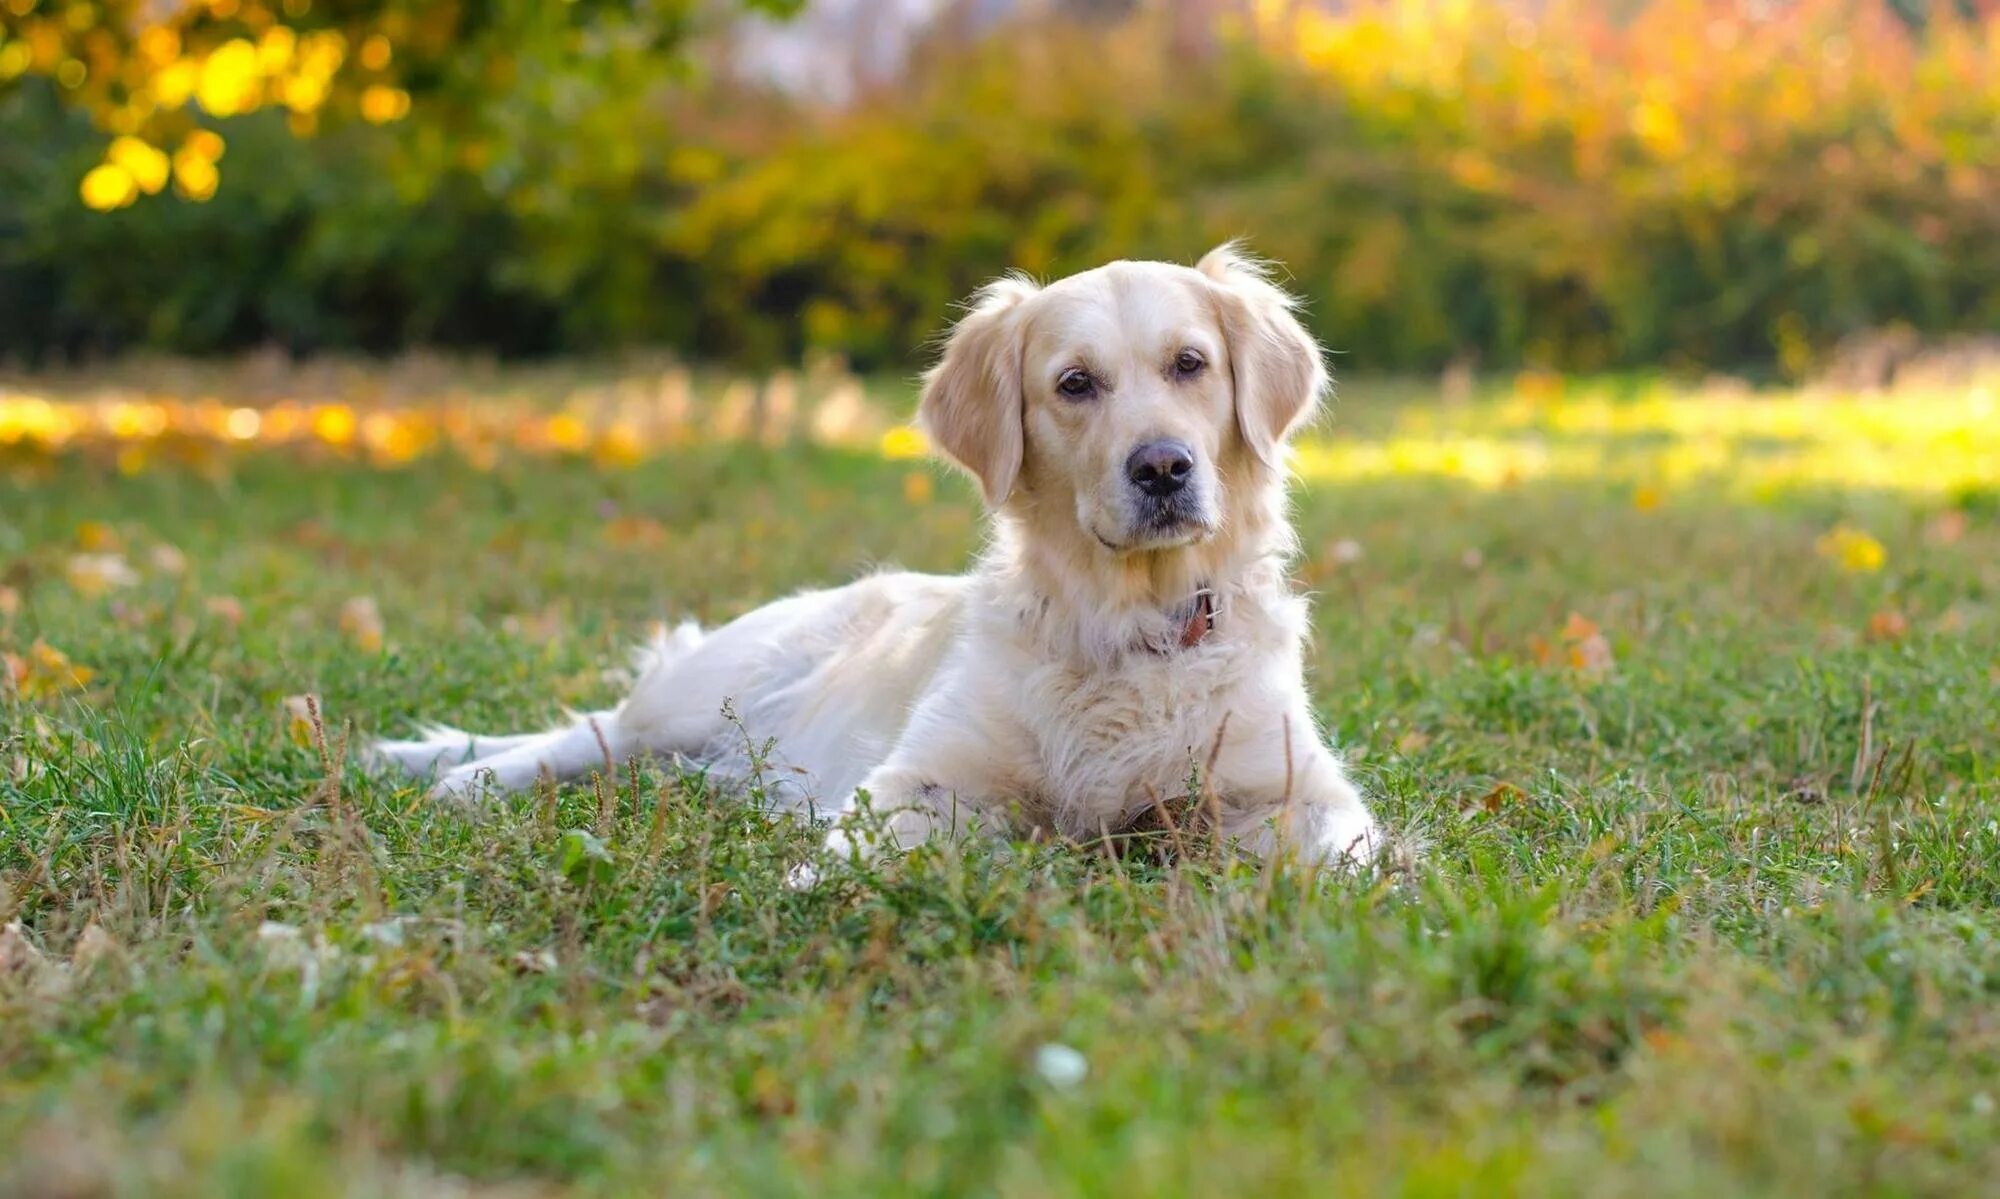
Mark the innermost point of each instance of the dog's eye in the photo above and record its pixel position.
(1189, 362)
(1076, 383)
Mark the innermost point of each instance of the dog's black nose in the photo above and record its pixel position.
(1160, 468)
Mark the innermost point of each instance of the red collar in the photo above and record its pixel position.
(1201, 616)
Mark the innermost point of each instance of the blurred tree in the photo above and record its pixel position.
(148, 71)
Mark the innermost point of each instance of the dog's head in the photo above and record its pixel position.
(1135, 394)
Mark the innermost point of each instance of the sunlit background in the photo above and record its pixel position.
(756, 217)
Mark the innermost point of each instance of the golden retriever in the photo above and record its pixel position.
(1128, 633)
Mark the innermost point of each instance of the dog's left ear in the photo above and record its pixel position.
(973, 406)
(1279, 373)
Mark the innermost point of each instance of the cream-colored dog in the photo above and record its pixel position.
(1128, 633)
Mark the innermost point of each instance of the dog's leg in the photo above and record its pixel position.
(1295, 798)
(562, 754)
(441, 747)
(904, 810)
(1325, 822)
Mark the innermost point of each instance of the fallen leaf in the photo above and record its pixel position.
(1588, 651)
(299, 723)
(95, 574)
(546, 625)
(1499, 797)
(97, 536)
(1946, 527)
(44, 670)
(225, 608)
(361, 621)
(635, 530)
(537, 961)
(168, 560)
(1888, 625)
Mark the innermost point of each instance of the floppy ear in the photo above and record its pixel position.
(1279, 374)
(973, 406)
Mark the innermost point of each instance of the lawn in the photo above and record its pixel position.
(1684, 708)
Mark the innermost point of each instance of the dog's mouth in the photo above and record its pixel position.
(1163, 524)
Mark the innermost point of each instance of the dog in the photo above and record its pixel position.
(1127, 638)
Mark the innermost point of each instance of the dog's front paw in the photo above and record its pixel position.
(440, 747)
(467, 787)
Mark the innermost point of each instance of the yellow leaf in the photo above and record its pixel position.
(299, 723)
(361, 621)
(98, 537)
(45, 670)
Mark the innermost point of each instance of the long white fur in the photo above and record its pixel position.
(1045, 690)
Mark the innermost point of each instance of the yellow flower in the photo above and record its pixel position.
(204, 143)
(146, 164)
(567, 432)
(195, 175)
(334, 424)
(903, 442)
(108, 186)
(376, 52)
(176, 82)
(621, 445)
(1853, 550)
(230, 79)
(381, 104)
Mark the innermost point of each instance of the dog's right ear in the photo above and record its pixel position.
(973, 406)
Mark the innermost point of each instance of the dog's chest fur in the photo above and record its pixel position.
(1113, 740)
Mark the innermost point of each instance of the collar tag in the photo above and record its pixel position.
(1201, 621)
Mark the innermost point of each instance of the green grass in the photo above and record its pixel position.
(1720, 921)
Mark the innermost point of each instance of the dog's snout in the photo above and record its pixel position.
(1160, 468)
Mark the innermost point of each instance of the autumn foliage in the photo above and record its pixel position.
(1686, 182)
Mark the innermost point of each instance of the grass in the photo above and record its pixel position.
(1714, 916)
